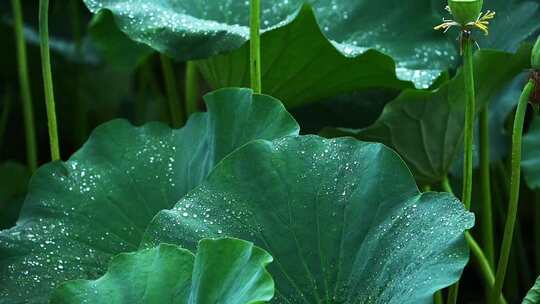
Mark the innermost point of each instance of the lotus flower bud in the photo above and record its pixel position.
(465, 11)
(535, 58)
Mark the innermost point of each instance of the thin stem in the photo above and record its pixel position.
(446, 185)
(438, 298)
(175, 110)
(483, 263)
(24, 84)
(192, 88)
(486, 219)
(255, 46)
(514, 191)
(468, 139)
(469, 122)
(485, 269)
(47, 77)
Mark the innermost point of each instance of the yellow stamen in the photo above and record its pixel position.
(482, 27)
(481, 23)
(446, 25)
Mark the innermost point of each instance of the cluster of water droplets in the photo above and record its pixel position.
(79, 215)
(167, 24)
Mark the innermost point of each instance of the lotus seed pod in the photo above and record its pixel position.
(535, 58)
(465, 11)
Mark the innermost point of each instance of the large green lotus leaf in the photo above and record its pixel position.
(336, 74)
(516, 21)
(343, 220)
(116, 47)
(531, 155)
(227, 271)
(354, 110)
(298, 75)
(80, 213)
(426, 127)
(533, 296)
(198, 29)
(295, 38)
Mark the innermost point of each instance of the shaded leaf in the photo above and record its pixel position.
(14, 179)
(426, 127)
(80, 213)
(295, 36)
(115, 46)
(355, 110)
(222, 271)
(516, 21)
(200, 29)
(302, 41)
(533, 296)
(499, 109)
(297, 75)
(343, 220)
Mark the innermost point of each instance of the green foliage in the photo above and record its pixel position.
(535, 58)
(115, 46)
(80, 213)
(531, 158)
(533, 296)
(426, 127)
(223, 271)
(198, 29)
(298, 76)
(343, 220)
(14, 179)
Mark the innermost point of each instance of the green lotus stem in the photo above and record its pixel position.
(468, 138)
(514, 191)
(483, 263)
(255, 46)
(192, 88)
(24, 85)
(485, 268)
(175, 110)
(469, 121)
(486, 207)
(438, 298)
(47, 78)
